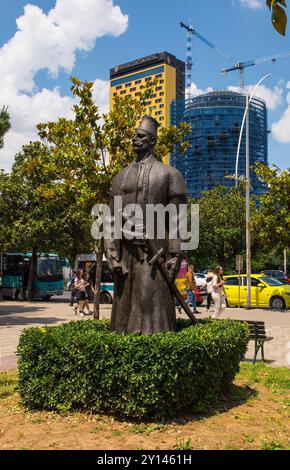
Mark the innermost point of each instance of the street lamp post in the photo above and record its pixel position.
(246, 119)
(248, 207)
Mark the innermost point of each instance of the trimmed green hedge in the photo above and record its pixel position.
(81, 365)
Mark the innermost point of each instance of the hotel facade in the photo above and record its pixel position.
(130, 80)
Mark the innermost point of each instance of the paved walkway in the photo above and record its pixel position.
(16, 316)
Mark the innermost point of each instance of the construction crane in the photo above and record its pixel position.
(242, 65)
(189, 63)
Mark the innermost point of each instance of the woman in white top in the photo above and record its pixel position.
(218, 292)
(80, 289)
(208, 286)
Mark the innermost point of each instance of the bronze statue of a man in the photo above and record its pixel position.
(143, 302)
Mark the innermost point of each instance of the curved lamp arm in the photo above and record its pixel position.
(243, 124)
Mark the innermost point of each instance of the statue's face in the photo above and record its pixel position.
(142, 141)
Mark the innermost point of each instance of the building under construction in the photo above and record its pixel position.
(216, 120)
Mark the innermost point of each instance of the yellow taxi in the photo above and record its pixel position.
(265, 291)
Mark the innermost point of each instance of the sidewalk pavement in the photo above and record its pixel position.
(16, 316)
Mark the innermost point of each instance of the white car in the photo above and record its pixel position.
(200, 279)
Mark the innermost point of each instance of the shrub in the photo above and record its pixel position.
(81, 365)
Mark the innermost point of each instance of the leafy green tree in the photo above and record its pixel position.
(4, 124)
(271, 220)
(33, 222)
(279, 17)
(222, 214)
(264, 257)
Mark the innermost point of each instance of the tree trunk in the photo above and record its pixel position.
(32, 269)
(99, 250)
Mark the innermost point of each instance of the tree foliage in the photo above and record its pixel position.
(222, 219)
(271, 220)
(4, 124)
(279, 16)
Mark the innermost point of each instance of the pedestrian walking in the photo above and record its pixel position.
(89, 292)
(190, 284)
(208, 285)
(218, 292)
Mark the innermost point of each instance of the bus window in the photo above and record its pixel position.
(49, 269)
(3, 263)
(13, 263)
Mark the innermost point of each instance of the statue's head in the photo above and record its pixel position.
(145, 136)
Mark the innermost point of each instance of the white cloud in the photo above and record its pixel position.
(46, 105)
(281, 128)
(195, 91)
(273, 98)
(50, 42)
(251, 3)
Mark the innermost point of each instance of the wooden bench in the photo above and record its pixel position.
(257, 333)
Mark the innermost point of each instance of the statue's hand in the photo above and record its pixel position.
(114, 265)
(172, 266)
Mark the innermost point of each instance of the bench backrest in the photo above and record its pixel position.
(256, 328)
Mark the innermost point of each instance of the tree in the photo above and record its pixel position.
(33, 221)
(69, 171)
(279, 17)
(271, 220)
(222, 223)
(4, 124)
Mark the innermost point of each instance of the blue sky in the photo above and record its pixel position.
(55, 39)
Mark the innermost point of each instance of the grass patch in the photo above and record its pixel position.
(97, 429)
(116, 433)
(147, 428)
(8, 383)
(273, 445)
(182, 444)
(276, 378)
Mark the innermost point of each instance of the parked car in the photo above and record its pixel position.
(265, 291)
(277, 274)
(200, 279)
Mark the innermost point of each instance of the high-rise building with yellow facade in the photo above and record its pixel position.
(129, 80)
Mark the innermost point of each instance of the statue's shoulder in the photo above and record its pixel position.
(118, 180)
(119, 176)
(174, 173)
(176, 183)
(169, 170)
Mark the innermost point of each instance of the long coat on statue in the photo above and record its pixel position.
(143, 302)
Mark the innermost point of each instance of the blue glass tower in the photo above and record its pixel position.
(215, 120)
